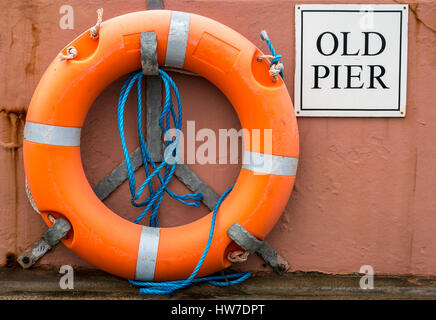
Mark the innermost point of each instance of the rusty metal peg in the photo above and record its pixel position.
(49, 239)
(251, 244)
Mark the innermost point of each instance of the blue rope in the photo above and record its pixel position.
(277, 57)
(169, 287)
(154, 200)
(168, 113)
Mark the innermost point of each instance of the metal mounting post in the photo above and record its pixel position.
(154, 4)
(251, 244)
(49, 239)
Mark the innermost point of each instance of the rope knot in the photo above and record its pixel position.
(71, 54)
(276, 69)
(276, 66)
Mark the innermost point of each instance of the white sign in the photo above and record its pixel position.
(351, 60)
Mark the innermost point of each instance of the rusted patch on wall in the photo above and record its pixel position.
(11, 260)
(11, 129)
(31, 65)
(11, 138)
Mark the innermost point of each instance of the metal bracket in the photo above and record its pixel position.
(113, 180)
(149, 54)
(195, 184)
(49, 239)
(154, 103)
(154, 4)
(153, 110)
(154, 134)
(188, 177)
(251, 244)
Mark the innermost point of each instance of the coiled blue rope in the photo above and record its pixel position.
(168, 113)
(169, 287)
(169, 164)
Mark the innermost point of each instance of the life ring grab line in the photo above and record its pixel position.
(148, 244)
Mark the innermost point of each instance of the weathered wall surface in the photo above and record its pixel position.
(365, 187)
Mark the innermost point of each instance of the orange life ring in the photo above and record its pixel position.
(57, 112)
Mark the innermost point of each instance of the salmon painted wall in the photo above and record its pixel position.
(365, 190)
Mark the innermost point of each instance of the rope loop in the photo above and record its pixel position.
(71, 54)
(93, 32)
(237, 256)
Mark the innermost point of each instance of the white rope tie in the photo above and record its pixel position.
(93, 32)
(275, 69)
(71, 54)
(237, 256)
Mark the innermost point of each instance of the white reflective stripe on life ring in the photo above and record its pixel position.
(52, 135)
(177, 39)
(269, 164)
(147, 254)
